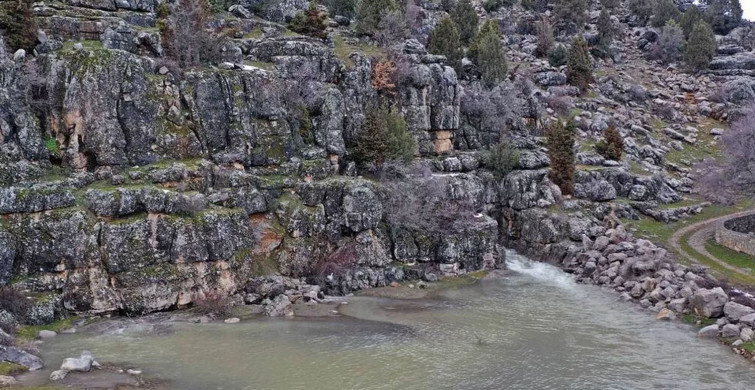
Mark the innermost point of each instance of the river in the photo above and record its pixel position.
(532, 329)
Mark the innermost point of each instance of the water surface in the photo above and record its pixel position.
(535, 329)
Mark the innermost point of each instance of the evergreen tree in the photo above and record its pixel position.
(664, 11)
(384, 137)
(690, 19)
(310, 22)
(368, 14)
(501, 158)
(544, 37)
(18, 24)
(572, 11)
(465, 17)
(560, 143)
(612, 145)
(492, 59)
(490, 26)
(724, 15)
(701, 47)
(606, 31)
(444, 40)
(643, 9)
(579, 64)
(400, 142)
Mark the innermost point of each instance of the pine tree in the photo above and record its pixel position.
(606, 31)
(384, 137)
(612, 145)
(310, 22)
(492, 59)
(664, 11)
(690, 18)
(400, 142)
(489, 26)
(701, 47)
(465, 17)
(572, 11)
(368, 14)
(544, 37)
(444, 40)
(560, 143)
(724, 15)
(18, 24)
(579, 64)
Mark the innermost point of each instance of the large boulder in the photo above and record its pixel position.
(734, 311)
(709, 302)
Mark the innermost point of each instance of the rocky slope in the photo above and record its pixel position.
(129, 189)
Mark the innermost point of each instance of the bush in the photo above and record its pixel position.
(501, 159)
(560, 142)
(310, 22)
(492, 59)
(643, 9)
(544, 37)
(724, 15)
(572, 12)
(669, 45)
(664, 11)
(185, 36)
(345, 8)
(384, 137)
(612, 145)
(495, 5)
(393, 27)
(700, 48)
(12, 301)
(213, 303)
(444, 40)
(606, 31)
(689, 19)
(369, 13)
(18, 24)
(465, 17)
(557, 55)
(579, 64)
(448, 5)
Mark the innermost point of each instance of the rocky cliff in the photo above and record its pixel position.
(130, 187)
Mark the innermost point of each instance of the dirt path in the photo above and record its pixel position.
(703, 231)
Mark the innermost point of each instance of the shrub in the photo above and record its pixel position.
(544, 37)
(579, 64)
(492, 59)
(668, 47)
(305, 126)
(465, 17)
(310, 22)
(18, 24)
(345, 8)
(558, 104)
(448, 5)
(495, 5)
(612, 145)
(643, 9)
(572, 12)
(185, 36)
(369, 14)
(606, 31)
(501, 159)
(383, 77)
(664, 11)
(700, 47)
(12, 301)
(560, 142)
(724, 15)
(384, 137)
(393, 27)
(490, 26)
(444, 40)
(689, 19)
(213, 303)
(557, 55)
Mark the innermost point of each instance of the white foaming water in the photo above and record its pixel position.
(541, 271)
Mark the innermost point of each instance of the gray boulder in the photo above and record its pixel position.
(734, 311)
(708, 331)
(280, 306)
(709, 302)
(15, 355)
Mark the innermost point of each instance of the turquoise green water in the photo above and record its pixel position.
(534, 329)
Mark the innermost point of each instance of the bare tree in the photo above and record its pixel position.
(733, 175)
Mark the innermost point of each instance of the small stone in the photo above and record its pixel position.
(58, 375)
(665, 315)
(737, 343)
(78, 46)
(716, 131)
(133, 372)
(163, 70)
(232, 320)
(746, 334)
(395, 284)
(19, 55)
(46, 334)
(708, 331)
(730, 330)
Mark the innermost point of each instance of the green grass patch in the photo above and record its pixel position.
(343, 50)
(87, 44)
(748, 346)
(637, 169)
(658, 123)
(29, 332)
(8, 368)
(269, 66)
(256, 33)
(705, 147)
(730, 256)
(697, 320)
